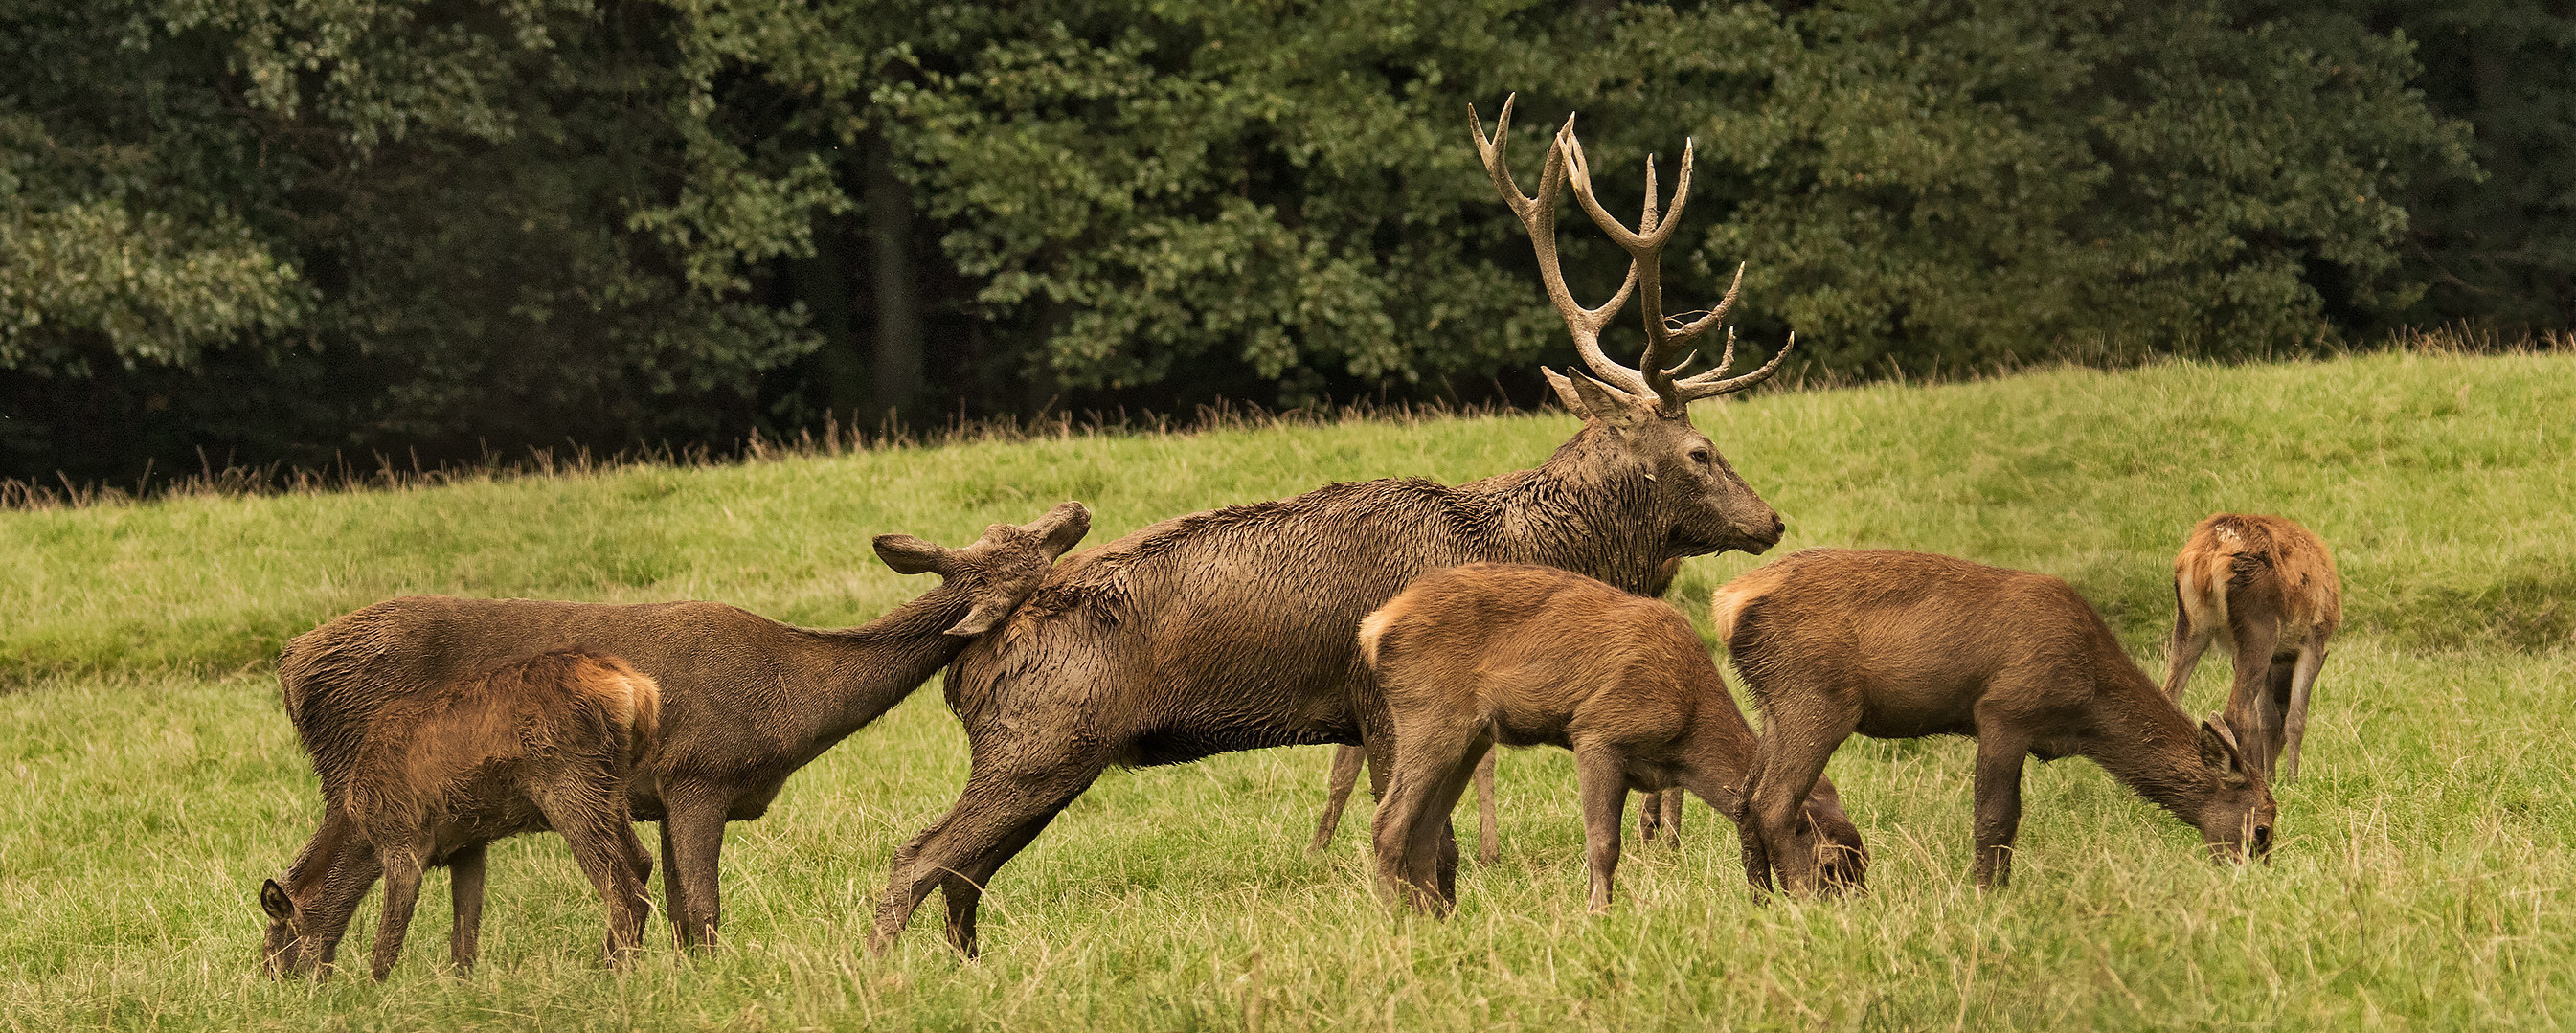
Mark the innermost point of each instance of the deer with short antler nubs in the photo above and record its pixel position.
(1518, 655)
(541, 743)
(1659, 817)
(2265, 589)
(746, 701)
(1896, 645)
(1237, 628)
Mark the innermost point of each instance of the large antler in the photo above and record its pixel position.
(1645, 247)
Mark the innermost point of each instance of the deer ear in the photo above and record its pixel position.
(2218, 752)
(978, 620)
(910, 555)
(274, 901)
(1607, 404)
(1062, 527)
(1565, 393)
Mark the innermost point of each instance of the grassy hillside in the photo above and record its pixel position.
(2424, 880)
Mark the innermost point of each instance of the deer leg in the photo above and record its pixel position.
(1789, 761)
(964, 889)
(693, 826)
(1337, 794)
(2183, 657)
(996, 803)
(1659, 817)
(402, 868)
(1489, 836)
(1601, 782)
(465, 890)
(604, 860)
(1431, 855)
(1428, 754)
(2312, 655)
(2249, 705)
(1998, 821)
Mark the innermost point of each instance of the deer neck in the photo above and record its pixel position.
(1717, 754)
(869, 668)
(2143, 740)
(1587, 509)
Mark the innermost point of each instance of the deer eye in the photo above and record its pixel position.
(1700, 456)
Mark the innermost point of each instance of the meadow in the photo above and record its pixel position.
(2424, 879)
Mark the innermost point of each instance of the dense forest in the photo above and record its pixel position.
(272, 233)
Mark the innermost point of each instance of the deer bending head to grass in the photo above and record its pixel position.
(544, 742)
(1896, 645)
(1236, 628)
(1516, 655)
(745, 701)
(2265, 589)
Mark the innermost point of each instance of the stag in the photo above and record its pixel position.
(2265, 589)
(1658, 819)
(1491, 653)
(1898, 645)
(1235, 629)
(746, 701)
(544, 742)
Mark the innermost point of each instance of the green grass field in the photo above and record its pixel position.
(2425, 879)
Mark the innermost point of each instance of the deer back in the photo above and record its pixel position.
(2234, 559)
(1543, 652)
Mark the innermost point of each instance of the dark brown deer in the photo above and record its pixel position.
(542, 743)
(1235, 629)
(1658, 817)
(1519, 655)
(2266, 590)
(1897, 645)
(746, 701)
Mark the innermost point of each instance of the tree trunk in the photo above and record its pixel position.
(888, 202)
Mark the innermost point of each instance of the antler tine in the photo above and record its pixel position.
(1706, 385)
(1715, 314)
(1538, 216)
(1645, 249)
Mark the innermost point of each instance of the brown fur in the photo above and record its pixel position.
(1897, 645)
(1658, 818)
(544, 742)
(1521, 655)
(2264, 589)
(745, 702)
(1236, 628)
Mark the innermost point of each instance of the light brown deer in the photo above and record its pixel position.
(1658, 818)
(541, 743)
(1520, 655)
(1236, 628)
(746, 701)
(2266, 590)
(1897, 645)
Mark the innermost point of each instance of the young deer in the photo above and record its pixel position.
(1897, 645)
(2265, 589)
(746, 701)
(1658, 818)
(1522, 655)
(541, 743)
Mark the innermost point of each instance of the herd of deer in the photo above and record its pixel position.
(1417, 624)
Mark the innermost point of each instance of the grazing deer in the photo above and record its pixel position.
(541, 743)
(1236, 628)
(1522, 655)
(1658, 817)
(2266, 590)
(1898, 645)
(746, 701)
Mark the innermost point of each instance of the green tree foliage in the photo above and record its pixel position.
(373, 225)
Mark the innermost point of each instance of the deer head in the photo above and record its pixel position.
(999, 569)
(1645, 410)
(2236, 822)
